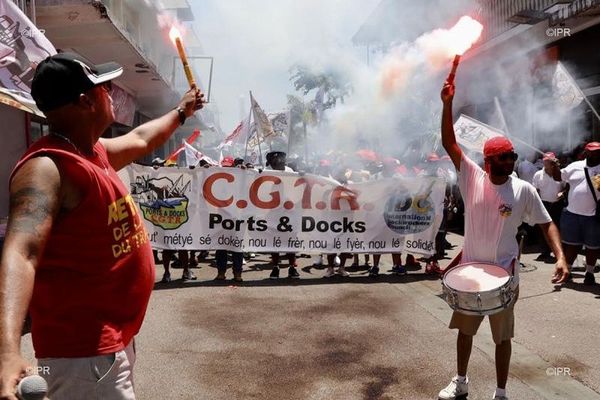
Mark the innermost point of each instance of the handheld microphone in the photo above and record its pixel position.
(32, 387)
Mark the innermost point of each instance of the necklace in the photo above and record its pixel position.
(66, 139)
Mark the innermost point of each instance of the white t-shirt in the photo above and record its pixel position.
(526, 170)
(581, 200)
(547, 186)
(493, 214)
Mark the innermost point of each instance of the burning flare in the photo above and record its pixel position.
(174, 34)
(176, 39)
(462, 35)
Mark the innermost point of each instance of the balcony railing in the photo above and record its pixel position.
(576, 8)
(502, 15)
(28, 8)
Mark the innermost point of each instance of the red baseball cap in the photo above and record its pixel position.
(433, 157)
(227, 161)
(592, 146)
(497, 145)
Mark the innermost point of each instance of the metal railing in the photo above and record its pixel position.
(497, 13)
(575, 8)
(28, 8)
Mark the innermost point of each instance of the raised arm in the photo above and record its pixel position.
(35, 198)
(145, 138)
(448, 137)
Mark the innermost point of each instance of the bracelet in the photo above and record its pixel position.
(181, 115)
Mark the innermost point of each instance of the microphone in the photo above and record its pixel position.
(32, 387)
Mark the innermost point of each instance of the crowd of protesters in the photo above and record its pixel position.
(542, 171)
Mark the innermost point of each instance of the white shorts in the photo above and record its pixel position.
(105, 377)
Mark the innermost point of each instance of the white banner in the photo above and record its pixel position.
(566, 90)
(472, 134)
(22, 47)
(276, 211)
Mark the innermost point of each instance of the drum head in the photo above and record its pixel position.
(476, 277)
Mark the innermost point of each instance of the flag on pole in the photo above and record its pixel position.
(193, 156)
(264, 128)
(239, 134)
(566, 90)
(22, 47)
(472, 134)
(172, 159)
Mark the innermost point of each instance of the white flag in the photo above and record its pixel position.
(565, 88)
(239, 134)
(22, 47)
(264, 128)
(193, 156)
(279, 121)
(472, 134)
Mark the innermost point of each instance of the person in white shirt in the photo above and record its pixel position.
(495, 205)
(526, 170)
(578, 224)
(552, 194)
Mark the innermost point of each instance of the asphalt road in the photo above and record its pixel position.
(356, 337)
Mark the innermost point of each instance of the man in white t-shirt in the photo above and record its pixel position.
(495, 205)
(578, 224)
(551, 192)
(526, 170)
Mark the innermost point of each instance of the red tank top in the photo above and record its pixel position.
(96, 274)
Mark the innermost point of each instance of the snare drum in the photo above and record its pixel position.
(478, 288)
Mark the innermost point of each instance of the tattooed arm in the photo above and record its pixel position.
(35, 198)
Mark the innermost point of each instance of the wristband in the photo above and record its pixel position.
(181, 114)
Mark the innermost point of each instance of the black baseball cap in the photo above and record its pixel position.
(61, 78)
(271, 156)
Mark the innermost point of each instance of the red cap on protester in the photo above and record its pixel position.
(433, 157)
(592, 146)
(401, 169)
(325, 163)
(497, 145)
(549, 156)
(227, 162)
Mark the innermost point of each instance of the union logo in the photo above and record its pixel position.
(162, 201)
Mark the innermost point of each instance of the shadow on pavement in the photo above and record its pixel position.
(354, 278)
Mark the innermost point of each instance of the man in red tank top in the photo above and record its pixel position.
(76, 254)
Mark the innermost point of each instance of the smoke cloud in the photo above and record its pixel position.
(394, 107)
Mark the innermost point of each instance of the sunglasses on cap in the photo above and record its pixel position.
(507, 156)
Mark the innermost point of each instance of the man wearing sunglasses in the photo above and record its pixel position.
(496, 203)
(76, 254)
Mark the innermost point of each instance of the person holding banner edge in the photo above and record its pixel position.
(76, 252)
(495, 205)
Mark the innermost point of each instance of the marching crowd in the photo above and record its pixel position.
(563, 193)
(87, 303)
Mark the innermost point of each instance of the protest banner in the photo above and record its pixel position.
(276, 211)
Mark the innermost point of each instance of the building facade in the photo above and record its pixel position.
(133, 33)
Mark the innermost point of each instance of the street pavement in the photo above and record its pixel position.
(355, 338)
